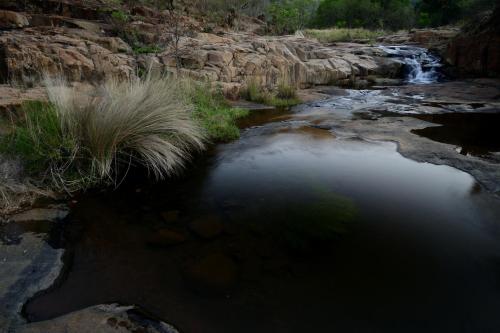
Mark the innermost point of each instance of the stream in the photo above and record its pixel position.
(308, 222)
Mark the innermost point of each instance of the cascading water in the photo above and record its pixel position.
(421, 66)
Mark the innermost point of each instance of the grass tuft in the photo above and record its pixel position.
(285, 95)
(214, 113)
(80, 140)
(344, 34)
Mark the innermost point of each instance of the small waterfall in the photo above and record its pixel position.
(421, 66)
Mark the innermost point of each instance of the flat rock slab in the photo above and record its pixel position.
(25, 269)
(40, 214)
(110, 318)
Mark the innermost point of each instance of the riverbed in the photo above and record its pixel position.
(313, 220)
(369, 210)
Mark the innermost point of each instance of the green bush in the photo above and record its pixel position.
(287, 16)
(213, 112)
(119, 16)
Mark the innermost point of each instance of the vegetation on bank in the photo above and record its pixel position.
(79, 140)
(214, 113)
(344, 35)
(285, 94)
(287, 16)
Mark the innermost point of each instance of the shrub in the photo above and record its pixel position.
(214, 113)
(119, 16)
(79, 140)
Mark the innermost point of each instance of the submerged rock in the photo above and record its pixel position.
(213, 274)
(166, 237)
(170, 216)
(207, 227)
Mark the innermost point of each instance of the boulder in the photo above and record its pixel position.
(9, 19)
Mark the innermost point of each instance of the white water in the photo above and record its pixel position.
(422, 66)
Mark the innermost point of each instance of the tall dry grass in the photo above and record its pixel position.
(344, 34)
(84, 138)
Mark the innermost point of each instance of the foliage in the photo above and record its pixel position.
(80, 140)
(343, 34)
(119, 16)
(216, 116)
(285, 95)
(287, 16)
(147, 49)
(437, 13)
(396, 14)
(378, 14)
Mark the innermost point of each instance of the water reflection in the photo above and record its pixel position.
(291, 229)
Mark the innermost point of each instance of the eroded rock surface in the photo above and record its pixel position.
(110, 318)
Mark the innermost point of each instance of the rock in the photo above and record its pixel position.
(166, 237)
(10, 19)
(212, 274)
(378, 81)
(110, 318)
(40, 214)
(25, 269)
(12, 98)
(207, 227)
(77, 54)
(477, 52)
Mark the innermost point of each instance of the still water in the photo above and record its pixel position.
(291, 229)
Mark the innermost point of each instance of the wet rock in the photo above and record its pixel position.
(212, 274)
(110, 318)
(207, 226)
(386, 82)
(40, 214)
(167, 237)
(25, 269)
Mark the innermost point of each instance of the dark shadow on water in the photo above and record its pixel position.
(289, 230)
(474, 133)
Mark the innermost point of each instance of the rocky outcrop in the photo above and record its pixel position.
(77, 54)
(11, 97)
(233, 60)
(436, 39)
(10, 19)
(477, 52)
(82, 51)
